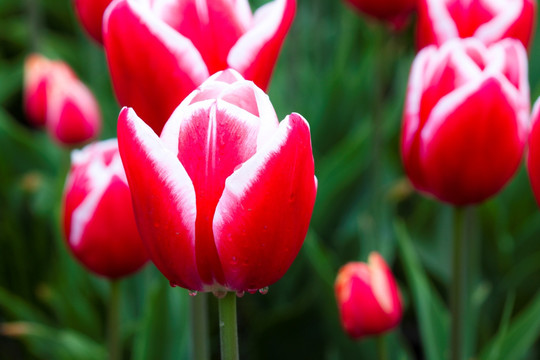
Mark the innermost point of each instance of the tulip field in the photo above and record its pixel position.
(269, 179)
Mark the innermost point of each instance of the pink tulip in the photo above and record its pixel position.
(90, 14)
(160, 51)
(465, 122)
(395, 12)
(99, 225)
(368, 298)
(224, 197)
(56, 98)
(487, 20)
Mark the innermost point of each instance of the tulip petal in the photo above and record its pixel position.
(256, 52)
(164, 200)
(214, 138)
(153, 68)
(73, 115)
(263, 215)
(476, 123)
(90, 13)
(533, 156)
(213, 26)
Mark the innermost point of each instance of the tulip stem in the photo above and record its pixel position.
(227, 327)
(199, 327)
(113, 330)
(382, 351)
(458, 290)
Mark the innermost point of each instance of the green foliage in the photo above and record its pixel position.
(347, 76)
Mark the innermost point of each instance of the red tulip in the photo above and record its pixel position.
(465, 122)
(56, 98)
(160, 51)
(90, 14)
(224, 197)
(99, 225)
(533, 156)
(393, 11)
(487, 20)
(368, 297)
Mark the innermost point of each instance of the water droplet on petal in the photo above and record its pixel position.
(252, 291)
(193, 292)
(172, 284)
(240, 293)
(264, 290)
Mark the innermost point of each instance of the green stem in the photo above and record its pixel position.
(227, 327)
(200, 334)
(458, 291)
(113, 326)
(34, 24)
(382, 350)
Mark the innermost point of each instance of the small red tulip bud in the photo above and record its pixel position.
(368, 297)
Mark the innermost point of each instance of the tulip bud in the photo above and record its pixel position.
(90, 14)
(395, 12)
(487, 20)
(98, 221)
(224, 197)
(73, 114)
(466, 117)
(368, 297)
(37, 71)
(56, 98)
(160, 51)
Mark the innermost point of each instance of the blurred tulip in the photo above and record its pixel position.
(224, 197)
(533, 157)
(160, 51)
(395, 12)
(465, 121)
(488, 20)
(90, 14)
(368, 297)
(99, 225)
(56, 98)
(37, 72)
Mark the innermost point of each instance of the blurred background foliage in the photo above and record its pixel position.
(347, 75)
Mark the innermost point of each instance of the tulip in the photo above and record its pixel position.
(368, 297)
(56, 98)
(533, 156)
(224, 197)
(487, 20)
(465, 121)
(160, 51)
(73, 114)
(98, 221)
(395, 12)
(90, 14)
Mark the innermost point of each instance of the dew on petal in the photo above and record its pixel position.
(240, 294)
(264, 290)
(193, 292)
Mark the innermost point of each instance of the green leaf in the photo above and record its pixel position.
(433, 317)
(164, 333)
(513, 341)
(18, 308)
(47, 342)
